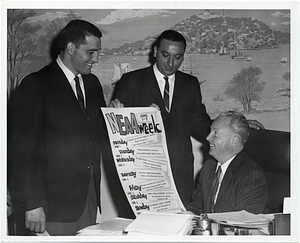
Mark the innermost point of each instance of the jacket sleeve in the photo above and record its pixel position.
(123, 91)
(200, 119)
(196, 204)
(25, 121)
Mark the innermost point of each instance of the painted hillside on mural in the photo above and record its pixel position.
(224, 48)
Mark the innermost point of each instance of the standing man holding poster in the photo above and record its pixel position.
(179, 99)
(185, 115)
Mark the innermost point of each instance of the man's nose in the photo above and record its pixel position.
(95, 58)
(170, 62)
(209, 137)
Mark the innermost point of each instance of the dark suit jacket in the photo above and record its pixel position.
(140, 89)
(244, 187)
(53, 144)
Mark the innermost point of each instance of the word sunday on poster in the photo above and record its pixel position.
(138, 142)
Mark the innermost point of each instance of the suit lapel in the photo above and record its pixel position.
(211, 176)
(153, 86)
(88, 88)
(177, 93)
(62, 84)
(235, 163)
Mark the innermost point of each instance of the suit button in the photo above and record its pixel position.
(91, 142)
(89, 167)
(88, 118)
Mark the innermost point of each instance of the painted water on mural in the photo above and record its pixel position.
(216, 71)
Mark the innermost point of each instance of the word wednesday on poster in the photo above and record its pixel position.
(138, 142)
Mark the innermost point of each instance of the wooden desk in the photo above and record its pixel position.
(116, 226)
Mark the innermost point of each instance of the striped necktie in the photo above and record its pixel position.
(79, 94)
(166, 95)
(216, 185)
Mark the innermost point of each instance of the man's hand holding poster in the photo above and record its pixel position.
(137, 139)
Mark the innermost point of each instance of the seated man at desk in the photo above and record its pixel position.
(231, 181)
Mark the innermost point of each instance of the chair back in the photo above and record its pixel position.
(271, 150)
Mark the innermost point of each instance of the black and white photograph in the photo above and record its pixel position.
(150, 121)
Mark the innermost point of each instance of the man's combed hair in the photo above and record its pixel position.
(170, 35)
(238, 124)
(76, 31)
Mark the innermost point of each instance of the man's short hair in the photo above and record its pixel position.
(76, 31)
(170, 35)
(238, 124)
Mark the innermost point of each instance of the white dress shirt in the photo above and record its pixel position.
(70, 76)
(224, 167)
(161, 83)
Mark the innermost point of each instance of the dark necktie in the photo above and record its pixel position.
(216, 185)
(79, 94)
(166, 95)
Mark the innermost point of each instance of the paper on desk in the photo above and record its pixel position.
(108, 228)
(286, 205)
(160, 224)
(242, 219)
(186, 230)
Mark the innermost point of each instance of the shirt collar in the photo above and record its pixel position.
(69, 74)
(160, 76)
(225, 165)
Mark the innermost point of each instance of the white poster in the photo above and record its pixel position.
(137, 139)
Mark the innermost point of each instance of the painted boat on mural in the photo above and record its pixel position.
(238, 55)
(283, 60)
(118, 72)
(223, 51)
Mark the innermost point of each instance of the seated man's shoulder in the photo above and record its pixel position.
(250, 166)
(252, 163)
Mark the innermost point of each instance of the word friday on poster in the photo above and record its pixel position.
(138, 143)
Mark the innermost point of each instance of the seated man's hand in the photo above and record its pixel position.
(116, 104)
(255, 124)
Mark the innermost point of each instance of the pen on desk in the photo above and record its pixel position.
(199, 216)
(217, 221)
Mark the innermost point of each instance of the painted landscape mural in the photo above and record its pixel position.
(224, 47)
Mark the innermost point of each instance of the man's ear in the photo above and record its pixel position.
(154, 51)
(70, 48)
(235, 140)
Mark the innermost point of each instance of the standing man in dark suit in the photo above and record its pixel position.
(231, 181)
(56, 133)
(185, 115)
